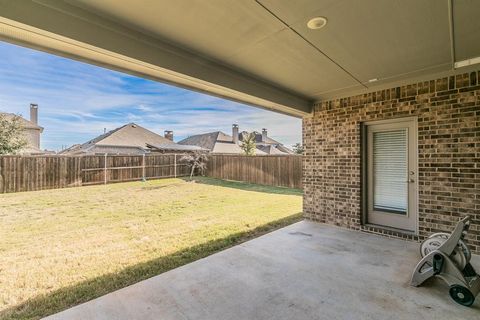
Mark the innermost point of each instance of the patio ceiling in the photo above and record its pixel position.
(257, 52)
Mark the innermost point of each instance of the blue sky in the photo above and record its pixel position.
(77, 100)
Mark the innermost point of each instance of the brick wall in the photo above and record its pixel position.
(448, 112)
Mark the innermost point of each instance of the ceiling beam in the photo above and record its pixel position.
(60, 28)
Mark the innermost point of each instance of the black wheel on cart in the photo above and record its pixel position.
(462, 295)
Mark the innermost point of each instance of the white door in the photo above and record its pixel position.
(392, 174)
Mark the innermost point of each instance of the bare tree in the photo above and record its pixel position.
(12, 134)
(249, 144)
(196, 161)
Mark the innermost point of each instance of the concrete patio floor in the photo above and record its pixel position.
(304, 271)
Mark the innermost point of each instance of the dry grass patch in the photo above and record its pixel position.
(62, 247)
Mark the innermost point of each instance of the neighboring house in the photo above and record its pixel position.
(130, 139)
(265, 143)
(70, 149)
(219, 142)
(32, 132)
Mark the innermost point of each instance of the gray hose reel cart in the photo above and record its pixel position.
(447, 257)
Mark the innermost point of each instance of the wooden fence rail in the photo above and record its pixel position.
(284, 171)
(24, 173)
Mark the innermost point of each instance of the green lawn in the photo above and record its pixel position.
(59, 248)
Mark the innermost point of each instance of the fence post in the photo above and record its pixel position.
(105, 170)
(175, 164)
(143, 168)
(82, 173)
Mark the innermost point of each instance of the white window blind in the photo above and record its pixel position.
(390, 190)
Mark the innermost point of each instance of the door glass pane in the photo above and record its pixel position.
(390, 190)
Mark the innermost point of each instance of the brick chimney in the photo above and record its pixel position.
(168, 135)
(264, 135)
(235, 133)
(34, 113)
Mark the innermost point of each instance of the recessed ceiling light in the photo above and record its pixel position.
(317, 23)
(373, 80)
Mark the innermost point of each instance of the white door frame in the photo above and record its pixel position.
(408, 222)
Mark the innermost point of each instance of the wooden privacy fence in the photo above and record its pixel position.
(29, 173)
(284, 171)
